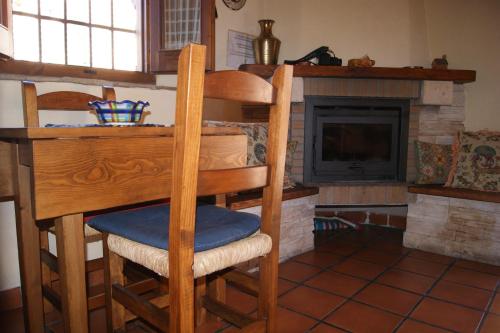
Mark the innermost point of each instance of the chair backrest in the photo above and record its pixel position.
(193, 84)
(58, 101)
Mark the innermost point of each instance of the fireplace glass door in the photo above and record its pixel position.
(360, 140)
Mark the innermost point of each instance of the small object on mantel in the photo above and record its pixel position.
(361, 62)
(440, 63)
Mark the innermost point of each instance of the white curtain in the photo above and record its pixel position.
(182, 23)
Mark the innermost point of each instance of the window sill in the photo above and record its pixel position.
(27, 70)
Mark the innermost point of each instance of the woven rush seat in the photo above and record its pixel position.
(205, 262)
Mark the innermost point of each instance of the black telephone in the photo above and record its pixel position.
(325, 56)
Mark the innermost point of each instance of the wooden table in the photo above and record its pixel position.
(62, 172)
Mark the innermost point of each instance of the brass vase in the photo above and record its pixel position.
(266, 46)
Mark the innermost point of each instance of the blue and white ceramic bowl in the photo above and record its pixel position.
(119, 113)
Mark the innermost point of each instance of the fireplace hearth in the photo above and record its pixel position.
(355, 139)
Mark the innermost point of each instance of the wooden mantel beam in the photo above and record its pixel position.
(390, 73)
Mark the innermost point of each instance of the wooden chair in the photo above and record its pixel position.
(196, 280)
(60, 101)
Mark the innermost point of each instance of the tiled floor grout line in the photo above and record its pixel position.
(372, 281)
(368, 245)
(365, 246)
(320, 322)
(488, 307)
(359, 245)
(426, 294)
(405, 270)
(325, 269)
(454, 303)
(351, 298)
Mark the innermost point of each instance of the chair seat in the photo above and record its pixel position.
(205, 262)
(215, 226)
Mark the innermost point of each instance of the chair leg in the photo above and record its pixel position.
(220, 200)
(268, 291)
(200, 290)
(113, 273)
(216, 288)
(46, 273)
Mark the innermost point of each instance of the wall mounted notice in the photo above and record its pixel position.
(239, 49)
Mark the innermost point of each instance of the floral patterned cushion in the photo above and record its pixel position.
(476, 165)
(433, 162)
(257, 140)
(256, 135)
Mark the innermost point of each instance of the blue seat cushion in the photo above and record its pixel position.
(215, 226)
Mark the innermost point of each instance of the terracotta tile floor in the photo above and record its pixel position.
(363, 282)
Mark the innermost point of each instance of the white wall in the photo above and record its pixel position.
(393, 32)
(352, 29)
(403, 33)
(11, 112)
(243, 20)
(469, 33)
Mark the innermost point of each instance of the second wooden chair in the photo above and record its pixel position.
(50, 266)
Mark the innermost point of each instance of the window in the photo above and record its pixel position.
(90, 33)
(173, 24)
(5, 30)
(115, 40)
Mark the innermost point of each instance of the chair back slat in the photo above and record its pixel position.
(57, 101)
(279, 114)
(66, 101)
(211, 182)
(240, 87)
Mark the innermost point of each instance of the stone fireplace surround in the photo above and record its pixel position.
(448, 221)
(445, 224)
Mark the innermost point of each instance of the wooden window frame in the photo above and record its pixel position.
(45, 69)
(165, 61)
(6, 49)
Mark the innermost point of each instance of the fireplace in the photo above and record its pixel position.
(355, 139)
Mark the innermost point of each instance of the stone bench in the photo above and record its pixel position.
(297, 214)
(455, 222)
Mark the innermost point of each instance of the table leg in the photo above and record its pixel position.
(71, 262)
(28, 243)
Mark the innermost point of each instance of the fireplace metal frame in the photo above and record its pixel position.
(324, 109)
